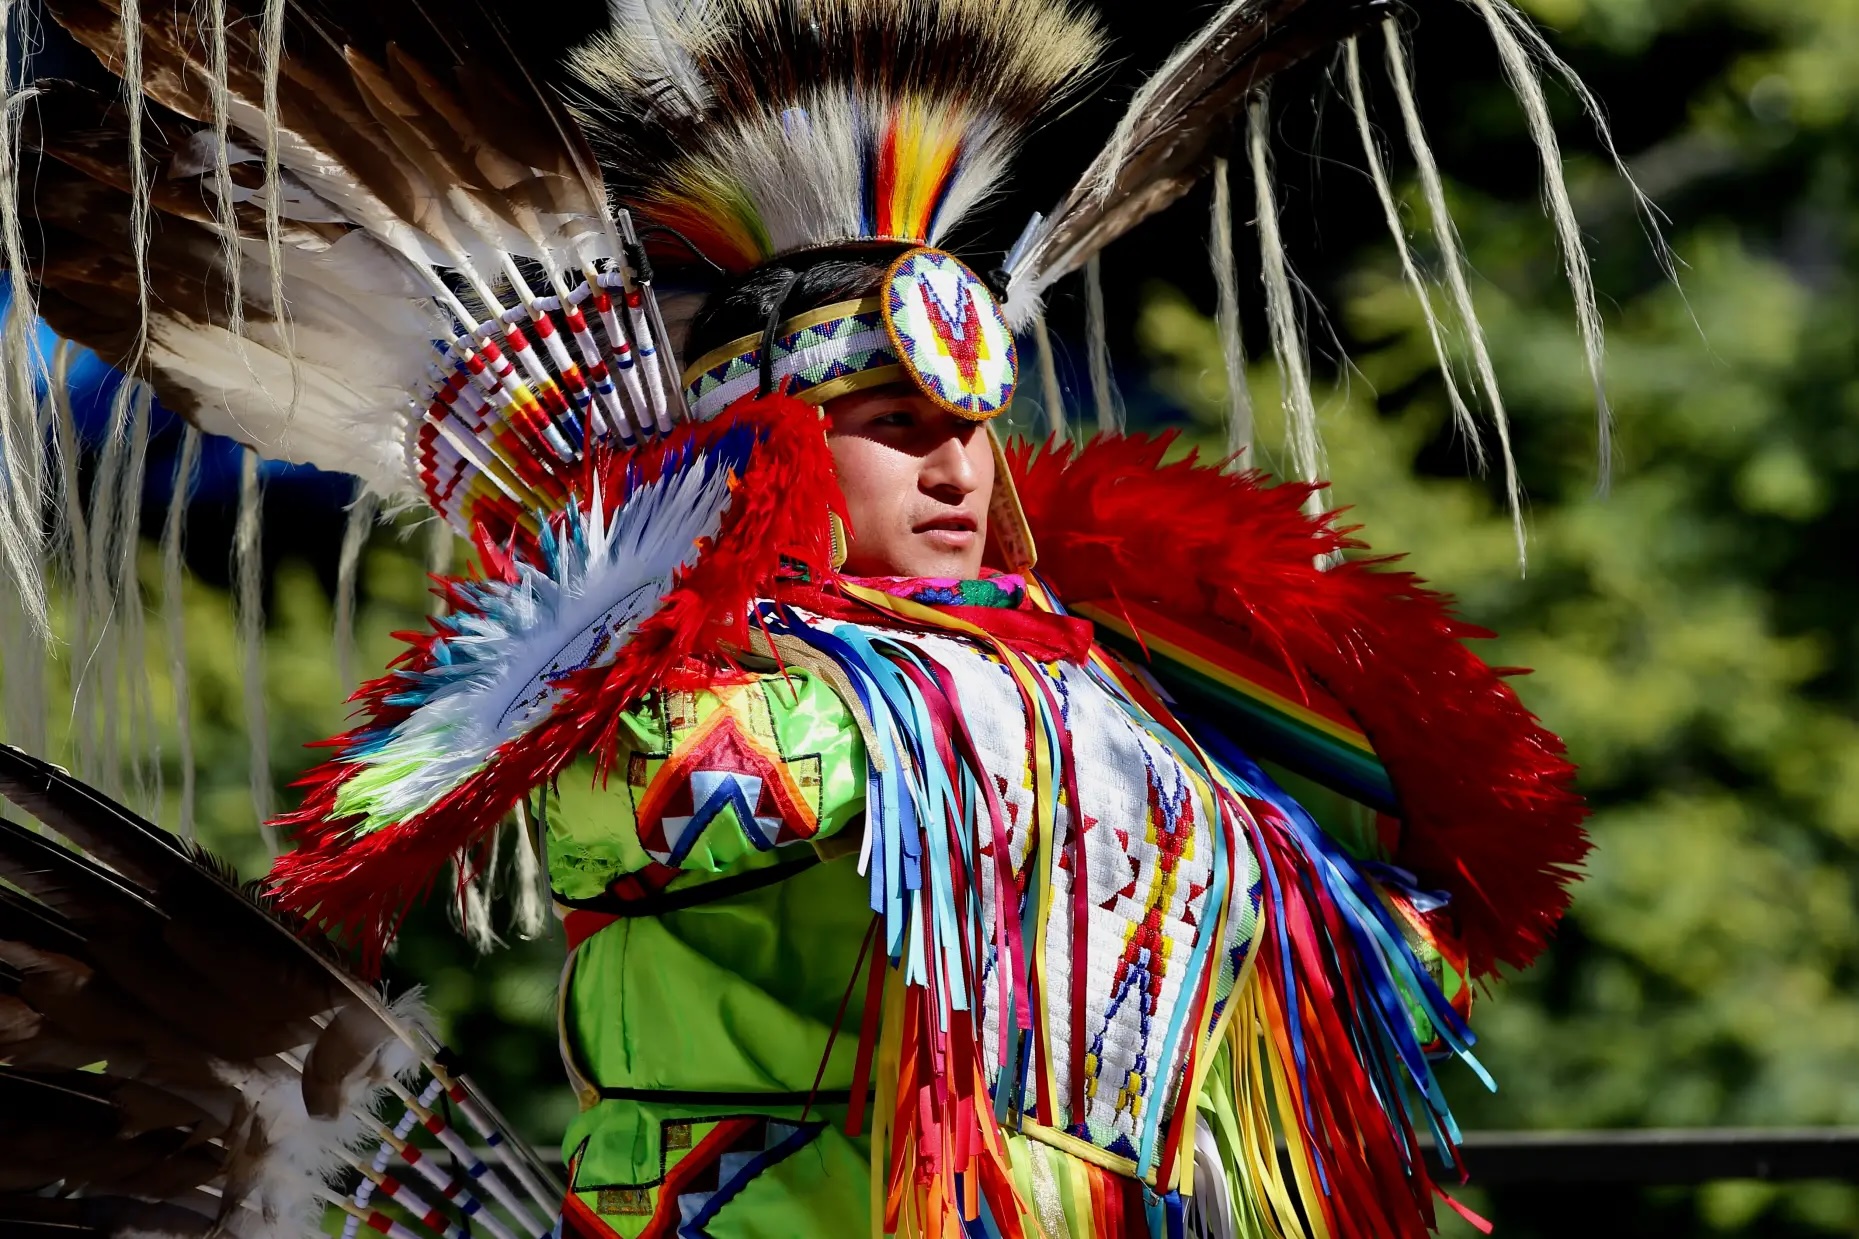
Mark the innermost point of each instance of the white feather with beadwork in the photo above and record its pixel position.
(506, 649)
(412, 196)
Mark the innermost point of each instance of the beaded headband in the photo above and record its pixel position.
(933, 323)
(829, 352)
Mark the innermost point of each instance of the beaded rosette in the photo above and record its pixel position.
(950, 334)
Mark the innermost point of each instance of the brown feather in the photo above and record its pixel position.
(317, 111)
(163, 944)
(167, 75)
(503, 182)
(319, 97)
(89, 132)
(396, 117)
(82, 1016)
(40, 1217)
(347, 1053)
(227, 973)
(234, 946)
(73, 1127)
(81, 253)
(142, 1060)
(539, 133)
(22, 920)
(19, 1025)
(1180, 121)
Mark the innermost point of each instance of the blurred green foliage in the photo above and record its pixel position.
(1692, 631)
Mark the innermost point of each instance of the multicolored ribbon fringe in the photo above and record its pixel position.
(1341, 1020)
(931, 807)
(1328, 1032)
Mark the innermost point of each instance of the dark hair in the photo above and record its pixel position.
(785, 288)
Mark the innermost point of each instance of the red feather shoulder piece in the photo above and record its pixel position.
(642, 584)
(1485, 794)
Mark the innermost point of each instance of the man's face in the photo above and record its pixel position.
(917, 480)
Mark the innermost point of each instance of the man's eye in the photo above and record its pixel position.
(900, 417)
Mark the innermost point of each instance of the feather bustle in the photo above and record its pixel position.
(150, 1015)
(389, 164)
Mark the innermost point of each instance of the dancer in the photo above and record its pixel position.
(899, 789)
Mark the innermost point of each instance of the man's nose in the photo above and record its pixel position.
(948, 467)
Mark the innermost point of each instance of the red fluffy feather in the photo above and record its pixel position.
(365, 885)
(1488, 801)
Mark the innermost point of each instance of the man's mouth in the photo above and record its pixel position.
(959, 522)
(955, 532)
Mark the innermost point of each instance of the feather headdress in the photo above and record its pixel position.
(758, 128)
